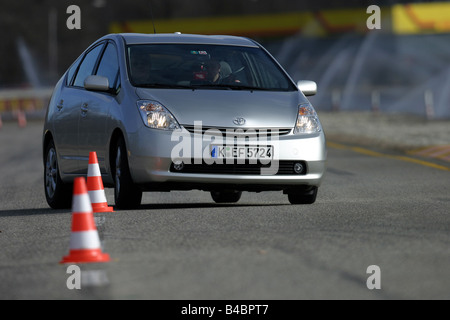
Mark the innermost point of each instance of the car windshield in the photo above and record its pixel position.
(194, 66)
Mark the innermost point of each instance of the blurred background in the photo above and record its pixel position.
(404, 67)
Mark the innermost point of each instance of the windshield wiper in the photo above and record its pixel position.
(219, 86)
(227, 86)
(164, 86)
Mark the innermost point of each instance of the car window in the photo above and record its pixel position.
(205, 67)
(109, 65)
(87, 66)
(72, 70)
(265, 72)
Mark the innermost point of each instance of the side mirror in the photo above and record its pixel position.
(309, 88)
(96, 83)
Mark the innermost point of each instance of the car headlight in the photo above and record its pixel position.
(156, 116)
(307, 120)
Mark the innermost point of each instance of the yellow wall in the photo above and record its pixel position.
(421, 18)
(400, 19)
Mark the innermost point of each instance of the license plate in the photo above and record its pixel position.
(242, 152)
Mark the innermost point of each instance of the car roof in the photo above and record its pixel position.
(143, 38)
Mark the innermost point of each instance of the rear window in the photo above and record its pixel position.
(205, 67)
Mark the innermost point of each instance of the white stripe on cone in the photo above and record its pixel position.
(94, 170)
(81, 203)
(97, 196)
(84, 240)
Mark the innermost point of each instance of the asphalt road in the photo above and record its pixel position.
(375, 207)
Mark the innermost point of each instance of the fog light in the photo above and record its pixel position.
(298, 168)
(178, 166)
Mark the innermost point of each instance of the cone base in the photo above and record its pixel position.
(85, 256)
(102, 208)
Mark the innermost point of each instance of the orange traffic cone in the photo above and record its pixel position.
(84, 239)
(22, 119)
(95, 186)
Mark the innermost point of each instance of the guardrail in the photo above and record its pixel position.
(19, 104)
(24, 99)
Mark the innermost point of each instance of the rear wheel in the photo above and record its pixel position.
(126, 194)
(57, 193)
(303, 196)
(228, 196)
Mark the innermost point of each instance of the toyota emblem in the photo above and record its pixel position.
(239, 121)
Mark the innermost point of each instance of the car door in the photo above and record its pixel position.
(65, 123)
(95, 111)
(74, 99)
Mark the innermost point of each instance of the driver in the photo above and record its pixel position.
(218, 73)
(212, 69)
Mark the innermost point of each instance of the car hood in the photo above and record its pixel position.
(218, 108)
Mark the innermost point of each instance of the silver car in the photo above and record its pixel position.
(170, 112)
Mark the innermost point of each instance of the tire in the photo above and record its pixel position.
(307, 196)
(57, 193)
(231, 196)
(126, 194)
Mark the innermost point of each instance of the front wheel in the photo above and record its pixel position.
(307, 196)
(57, 193)
(126, 194)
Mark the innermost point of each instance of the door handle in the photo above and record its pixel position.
(84, 109)
(60, 105)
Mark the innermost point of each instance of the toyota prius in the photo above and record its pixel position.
(170, 112)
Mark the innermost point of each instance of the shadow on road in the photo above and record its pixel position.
(156, 206)
(31, 212)
(162, 206)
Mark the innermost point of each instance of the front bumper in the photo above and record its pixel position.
(152, 153)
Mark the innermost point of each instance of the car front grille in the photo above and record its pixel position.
(238, 132)
(247, 168)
